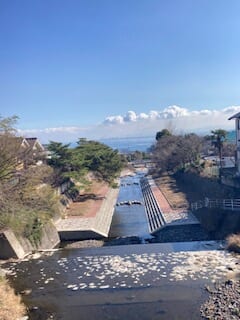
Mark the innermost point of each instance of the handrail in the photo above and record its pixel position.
(229, 204)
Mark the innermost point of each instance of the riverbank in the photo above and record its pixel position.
(180, 190)
(224, 302)
(154, 276)
(11, 306)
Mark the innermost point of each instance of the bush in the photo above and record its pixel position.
(33, 231)
(114, 185)
(233, 243)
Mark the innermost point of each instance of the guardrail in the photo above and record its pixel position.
(227, 204)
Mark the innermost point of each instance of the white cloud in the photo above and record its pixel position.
(231, 110)
(142, 124)
(153, 114)
(52, 130)
(172, 112)
(143, 116)
(130, 116)
(63, 134)
(114, 120)
(204, 112)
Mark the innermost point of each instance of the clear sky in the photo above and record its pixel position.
(73, 68)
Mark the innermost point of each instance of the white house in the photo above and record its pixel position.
(237, 128)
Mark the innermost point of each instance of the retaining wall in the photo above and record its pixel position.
(12, 246)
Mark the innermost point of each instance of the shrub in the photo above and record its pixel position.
(233, 243)
(33, 231)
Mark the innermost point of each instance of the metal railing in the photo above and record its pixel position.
(227, 204)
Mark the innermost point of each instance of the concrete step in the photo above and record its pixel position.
(164, 216)
(153, 210)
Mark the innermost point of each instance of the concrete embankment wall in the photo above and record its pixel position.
(219, 223)
(90, 228)
(12, 246)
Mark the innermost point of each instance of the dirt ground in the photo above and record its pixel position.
(89, 202)
(168, 186)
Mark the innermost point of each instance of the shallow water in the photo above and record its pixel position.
(130, 220)
(154, 281)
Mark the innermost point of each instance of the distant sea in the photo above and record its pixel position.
(142, 144)
(127, 145)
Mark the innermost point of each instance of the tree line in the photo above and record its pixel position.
(28, 197)
(173, 152)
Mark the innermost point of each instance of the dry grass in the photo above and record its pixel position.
(233, 243)
(11, 307)
(175, 197)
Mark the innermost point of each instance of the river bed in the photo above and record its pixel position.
(151, 281)
(144, 281)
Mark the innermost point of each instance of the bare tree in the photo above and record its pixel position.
(173, 152)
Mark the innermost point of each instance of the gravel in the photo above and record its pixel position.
(223, 303)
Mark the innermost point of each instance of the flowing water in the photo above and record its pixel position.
(144, 281)
(149, 281)
(130, 219)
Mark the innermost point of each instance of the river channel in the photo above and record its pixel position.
(144, 281)
(130, 219)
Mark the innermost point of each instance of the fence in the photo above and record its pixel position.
(227, 204)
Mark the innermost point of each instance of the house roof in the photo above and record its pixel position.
(235, 116)
(31, 141)
(34, 142)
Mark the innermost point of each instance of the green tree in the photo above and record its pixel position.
(99, 158)
(162, 133)
(87, 156)
(60, 156)
(218, 138)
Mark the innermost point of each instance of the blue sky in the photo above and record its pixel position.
(73, 68)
